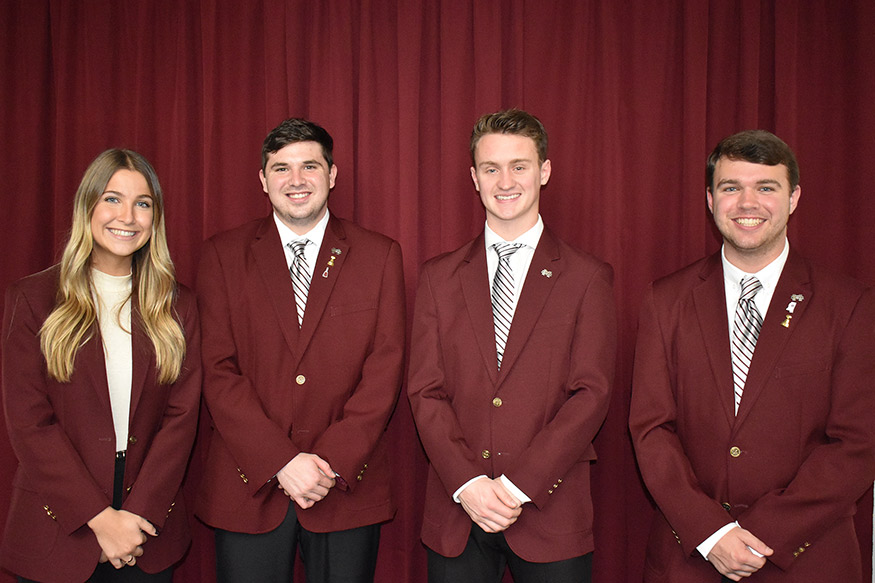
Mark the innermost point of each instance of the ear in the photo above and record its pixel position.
(710, 198)
(474, 178)
(332, 176)
(794, 198)
(263, 181)
(546, 170)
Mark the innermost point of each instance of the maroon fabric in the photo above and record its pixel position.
(634, 95)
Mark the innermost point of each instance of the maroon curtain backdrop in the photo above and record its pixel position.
(634, 95)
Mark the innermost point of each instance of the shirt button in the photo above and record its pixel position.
(485, 453)
(497, 401)
(300, 379)
(735, 451)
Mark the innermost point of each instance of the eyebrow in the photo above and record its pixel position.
(736, 181)
(512, 162)
(143, 195)
(304, 162)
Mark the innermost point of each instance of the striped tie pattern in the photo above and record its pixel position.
(300, 272)
(748, 323)
(502, 295)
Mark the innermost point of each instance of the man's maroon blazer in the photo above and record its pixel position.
(274, 391)
(63, 437)
(535, 419)
(791, 465)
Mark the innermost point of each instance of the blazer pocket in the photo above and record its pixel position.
(350, 308)
(802, 368)
(554, 321)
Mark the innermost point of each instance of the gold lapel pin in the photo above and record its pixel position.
(786, 322)
(330, 264)
(546, 273)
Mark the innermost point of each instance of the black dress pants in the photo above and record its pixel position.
(347, 556)
(487, 555)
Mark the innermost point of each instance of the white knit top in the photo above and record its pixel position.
(112, 298)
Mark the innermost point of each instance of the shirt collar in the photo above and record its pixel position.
(315, 235)
(768, 275)
(530, 238)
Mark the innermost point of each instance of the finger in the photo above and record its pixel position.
(137, 552)
(323, 466)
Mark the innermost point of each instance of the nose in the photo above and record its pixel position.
(296, 176)
(505, 180)
(747, 198)
(126, 213)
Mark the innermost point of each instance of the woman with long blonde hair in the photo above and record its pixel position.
(101, 385)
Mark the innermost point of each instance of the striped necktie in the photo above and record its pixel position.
(746, 329)
(300, 272)
(502, 295)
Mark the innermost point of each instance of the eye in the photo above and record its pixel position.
(767, 189)
(145, 204)
(111, 198)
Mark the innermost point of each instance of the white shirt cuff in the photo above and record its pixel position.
(511, 487)
(708, 544)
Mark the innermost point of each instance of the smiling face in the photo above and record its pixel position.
(297, 179)
(751, 204)
(509, 178)
(121, 222)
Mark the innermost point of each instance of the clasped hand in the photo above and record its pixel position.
(490, 505)
(121, 535)
(739, 554)
(306, 479)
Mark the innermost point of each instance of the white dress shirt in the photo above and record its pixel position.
(732, 276)
(311, 249)
(519, 266)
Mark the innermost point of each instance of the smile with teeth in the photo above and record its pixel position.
(749, 222)
(121, 233)
(297, 195)
(503, 197)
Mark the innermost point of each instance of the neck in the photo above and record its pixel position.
(510, 230)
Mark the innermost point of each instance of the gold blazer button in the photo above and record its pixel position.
(300, 379)
(485, 453)
(497, 401)
(735, 451)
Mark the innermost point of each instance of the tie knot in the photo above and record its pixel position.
(505, 250)
(749, 287)
(298, 246)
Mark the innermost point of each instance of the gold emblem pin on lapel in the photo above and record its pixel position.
(330, 264)
(546, 273)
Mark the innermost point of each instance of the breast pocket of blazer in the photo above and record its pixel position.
(350, 309)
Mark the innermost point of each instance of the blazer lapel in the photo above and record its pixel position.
(91, 362)
(329, 264)
(534, 296)
(142, 354)
(474, 278)
(773, 336)
(271, 264)
(710, 301)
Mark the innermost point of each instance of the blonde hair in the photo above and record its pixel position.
(70, 323)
